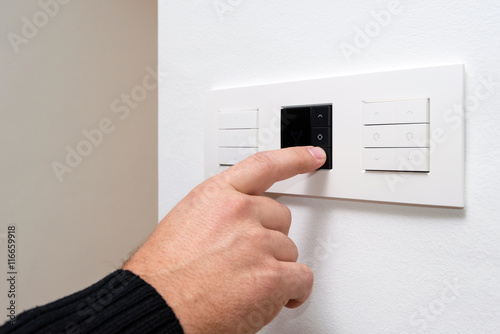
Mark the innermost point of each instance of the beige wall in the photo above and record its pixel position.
(64, 69)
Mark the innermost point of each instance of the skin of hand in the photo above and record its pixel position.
(222, 259)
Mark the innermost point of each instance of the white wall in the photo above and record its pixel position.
(62, 80)
(379, 268)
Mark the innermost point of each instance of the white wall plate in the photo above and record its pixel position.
(424, 102)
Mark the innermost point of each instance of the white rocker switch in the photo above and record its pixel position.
(238, 119)
(396, 135)
(396, 111)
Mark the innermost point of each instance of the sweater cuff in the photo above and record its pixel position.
(122, 302)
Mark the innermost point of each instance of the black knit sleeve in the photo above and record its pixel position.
(120, 303)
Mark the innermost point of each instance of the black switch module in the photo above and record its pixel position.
(308, 125)
(295, 126)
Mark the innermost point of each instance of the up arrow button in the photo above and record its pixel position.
(321, 115)
(396, 111)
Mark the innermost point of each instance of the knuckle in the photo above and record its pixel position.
(286, 212)
(283, 213)
(273, 275)
(285, 218)
(238, 204)
(256, 237)
(206, 191)
(307, 275)
(290, 249)
(293, 249)
(226, 175)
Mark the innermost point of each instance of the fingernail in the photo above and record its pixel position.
(317, 152)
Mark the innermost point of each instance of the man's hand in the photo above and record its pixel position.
(221, 258)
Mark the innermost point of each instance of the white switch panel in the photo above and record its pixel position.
(397, 136)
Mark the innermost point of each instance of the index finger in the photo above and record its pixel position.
(260, 171)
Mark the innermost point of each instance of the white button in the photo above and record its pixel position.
(399, 135)
(393, 112)
(231, 156)
(238, 119)
(237, 138)
(396, 159)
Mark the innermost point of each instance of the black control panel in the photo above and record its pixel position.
(308, 125)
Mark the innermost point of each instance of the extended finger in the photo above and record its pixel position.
(260, 171)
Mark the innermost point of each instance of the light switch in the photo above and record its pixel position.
(230, 156)
(396, 111)
(246, 119)
(396, 159)
(399, 135)
(377, 130)
(308, 125)
(238, 138)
